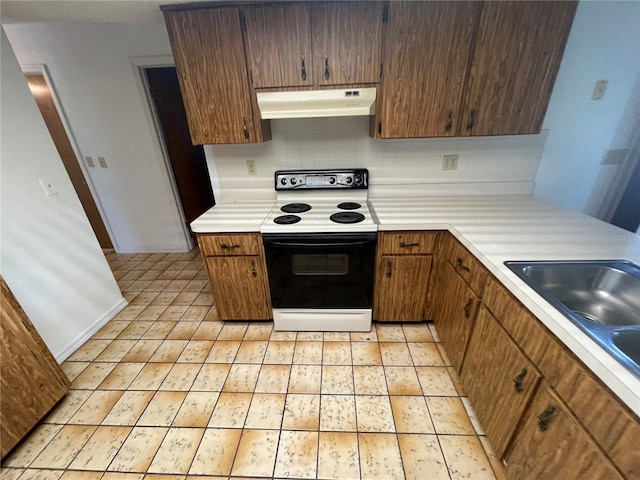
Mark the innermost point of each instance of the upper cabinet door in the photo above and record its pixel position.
(518, 50)
(208, 50)
(347, 39)
(279, 45)
(425, 63)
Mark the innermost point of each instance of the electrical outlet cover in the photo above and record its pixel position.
(449, 162)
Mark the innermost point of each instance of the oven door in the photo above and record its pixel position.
(321, 270)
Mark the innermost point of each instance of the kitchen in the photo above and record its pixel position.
(393, 160)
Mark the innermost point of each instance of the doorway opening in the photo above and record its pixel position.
(187, 161)
(44, 96)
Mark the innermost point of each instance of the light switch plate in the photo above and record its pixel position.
(89, 161)
(102, 162)
(47, 187)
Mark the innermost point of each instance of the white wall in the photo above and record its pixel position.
(485, 165)
(50, 257)
(90, 66)
(604, 44)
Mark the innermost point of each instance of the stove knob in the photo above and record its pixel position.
(349, 180)
(358, 179)
(293, 181)
(283, 181)
(332, 180)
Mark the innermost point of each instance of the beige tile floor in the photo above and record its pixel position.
(166, 391)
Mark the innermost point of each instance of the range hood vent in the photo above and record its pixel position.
(317, 103)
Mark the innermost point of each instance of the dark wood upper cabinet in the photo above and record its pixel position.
(347, 40)
(209, 55)
(279, 45)
(470, 68)
(425, 63)
(517, 55)
(327, 43)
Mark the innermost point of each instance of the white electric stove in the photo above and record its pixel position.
(320, 239)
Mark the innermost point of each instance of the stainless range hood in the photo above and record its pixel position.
(317, 103)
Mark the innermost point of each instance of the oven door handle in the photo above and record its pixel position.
(318, 245)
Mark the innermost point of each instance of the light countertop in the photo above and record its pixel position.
(495, 228)
(233, 217)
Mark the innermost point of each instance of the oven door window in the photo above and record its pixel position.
(320, 264)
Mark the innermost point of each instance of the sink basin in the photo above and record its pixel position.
(600, 297)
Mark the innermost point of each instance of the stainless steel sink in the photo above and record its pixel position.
(600, 297)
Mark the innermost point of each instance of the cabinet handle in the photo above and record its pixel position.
(409, 245)
(388, 269)
(326, 67)
(253, 269)
(472, 120)
(517, 382)
(467, 308)
(545, 417)
(303, 70)
(245, 130)
(225, 246)
(461, 265)
(449, 125)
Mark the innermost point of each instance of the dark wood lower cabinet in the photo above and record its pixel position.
(454, 319)
(551, 444)
(32, 380)
(498, 378)
(240, 287)
(402, 286)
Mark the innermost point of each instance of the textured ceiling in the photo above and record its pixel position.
(114, 11)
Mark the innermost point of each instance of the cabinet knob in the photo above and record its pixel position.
(303, 69)
(253, 269)
(388, 269)
(467, 308)
(245, 130)
(517, 382)
(449, 125)
(409, 245)
(472, 120)
(545, 417)
(224, 246)
(460, 264)
(326, 67)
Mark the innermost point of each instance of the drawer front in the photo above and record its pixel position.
(406, 243)
(470, 269)
(225, 245)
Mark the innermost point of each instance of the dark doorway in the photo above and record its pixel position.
(627, 215)
(188, 161)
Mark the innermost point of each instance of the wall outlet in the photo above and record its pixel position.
(102, 162)
(89, 161)
(251, 167)
(449, 162)
(599, 89)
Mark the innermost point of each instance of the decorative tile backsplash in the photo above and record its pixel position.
(342, 142)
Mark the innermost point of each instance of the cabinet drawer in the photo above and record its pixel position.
(470, 269)
(223, 245)
(406, 243)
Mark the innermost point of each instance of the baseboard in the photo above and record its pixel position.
(89, 332)
(155, 250)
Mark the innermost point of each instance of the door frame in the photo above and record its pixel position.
(42, 69)
(139, 64)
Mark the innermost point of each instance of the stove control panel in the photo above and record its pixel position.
(321, 179)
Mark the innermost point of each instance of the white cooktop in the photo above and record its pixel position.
(317, 220)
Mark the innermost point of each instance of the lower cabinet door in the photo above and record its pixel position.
(498, 379)
(402, 285)
(455, 315)
(552, 444)
(239, 286)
